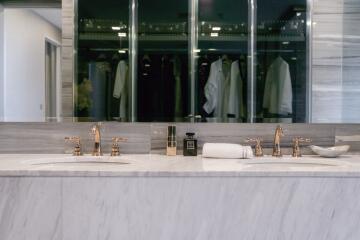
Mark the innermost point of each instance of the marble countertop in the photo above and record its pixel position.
(154, 165)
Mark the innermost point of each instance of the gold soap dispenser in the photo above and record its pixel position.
(171, 141)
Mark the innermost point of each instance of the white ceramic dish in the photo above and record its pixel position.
(331, 152)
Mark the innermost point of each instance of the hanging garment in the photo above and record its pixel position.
(113, 103)
(236, 103)
(217, 90)
(278, 89)
(146, 89)
(99, 75)
(121, 88)
(167, 80)
(178, 88)
(204, 71)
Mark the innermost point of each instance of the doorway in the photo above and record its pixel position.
(52, 81)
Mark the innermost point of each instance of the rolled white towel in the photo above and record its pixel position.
(226, 150)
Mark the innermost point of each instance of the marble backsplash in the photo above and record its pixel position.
(151, 137)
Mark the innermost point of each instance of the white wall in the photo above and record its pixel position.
(1, 63)
(25, 34)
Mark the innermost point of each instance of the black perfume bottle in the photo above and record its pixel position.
(190, 145)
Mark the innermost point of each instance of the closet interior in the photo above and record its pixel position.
(192, 61)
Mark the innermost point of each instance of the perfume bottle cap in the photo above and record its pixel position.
(190, 134)
(171, 130)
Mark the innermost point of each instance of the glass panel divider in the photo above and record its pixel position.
(252, 5)
(133, 50)
(193, 54)
(309, 38)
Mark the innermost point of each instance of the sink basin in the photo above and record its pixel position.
(79, 160)
(290, 163)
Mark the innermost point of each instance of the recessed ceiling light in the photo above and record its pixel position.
(116, 28)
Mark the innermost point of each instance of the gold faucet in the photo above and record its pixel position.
(296, 145)
(115, 150)
(258, 149)
(77, 149)
(95, 130)
(277, 139)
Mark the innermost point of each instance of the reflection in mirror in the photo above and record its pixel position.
(281, 72)
(222, 63)
(181, 61)
(30, 42)
(102, 85)
(162, 76)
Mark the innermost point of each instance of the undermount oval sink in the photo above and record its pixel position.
(290, 163)
(80, 160)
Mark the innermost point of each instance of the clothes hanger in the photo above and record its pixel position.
(242, 57)
(115, 56)
(102, 56)
(146, 57)
(226, 59)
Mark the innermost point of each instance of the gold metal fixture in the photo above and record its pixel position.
(277, 139)
(96, 132)
(258, 149)
(171, 142)
(296, 145)
(115, 151)
(77, 148)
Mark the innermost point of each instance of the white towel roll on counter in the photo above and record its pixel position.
(226, 150)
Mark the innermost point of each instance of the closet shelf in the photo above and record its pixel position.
(184, 38)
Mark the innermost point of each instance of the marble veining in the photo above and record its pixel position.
(155, 165)
(163, 208)
(30, 209)
(156, 197)
(212, 208)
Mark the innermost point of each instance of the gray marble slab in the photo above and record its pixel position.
(211, 208)
(49, 137)
(161, 208)
(155, 165)
(31, 208)
(336, 61)
(322, 135)
(67, 57)
(147, 137)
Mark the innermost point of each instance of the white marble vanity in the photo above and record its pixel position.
(157, 197)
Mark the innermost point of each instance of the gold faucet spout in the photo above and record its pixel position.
(96, 131)
(277, 140)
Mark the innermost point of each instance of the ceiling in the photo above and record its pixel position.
(52, 15)
(32, 3)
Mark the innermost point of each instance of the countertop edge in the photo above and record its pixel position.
(194, 174)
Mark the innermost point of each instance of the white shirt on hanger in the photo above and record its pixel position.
(120, 87)
(278, 89)
(217, 90)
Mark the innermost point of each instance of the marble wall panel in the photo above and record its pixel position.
(30, 208)
(211, 208)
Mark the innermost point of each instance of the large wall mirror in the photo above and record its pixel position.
(225, 61)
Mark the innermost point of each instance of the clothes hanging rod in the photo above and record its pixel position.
(207, 51)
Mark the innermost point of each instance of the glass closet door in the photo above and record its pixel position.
(163, 69)
(101, 85)
(222, 60)
(281, 70)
